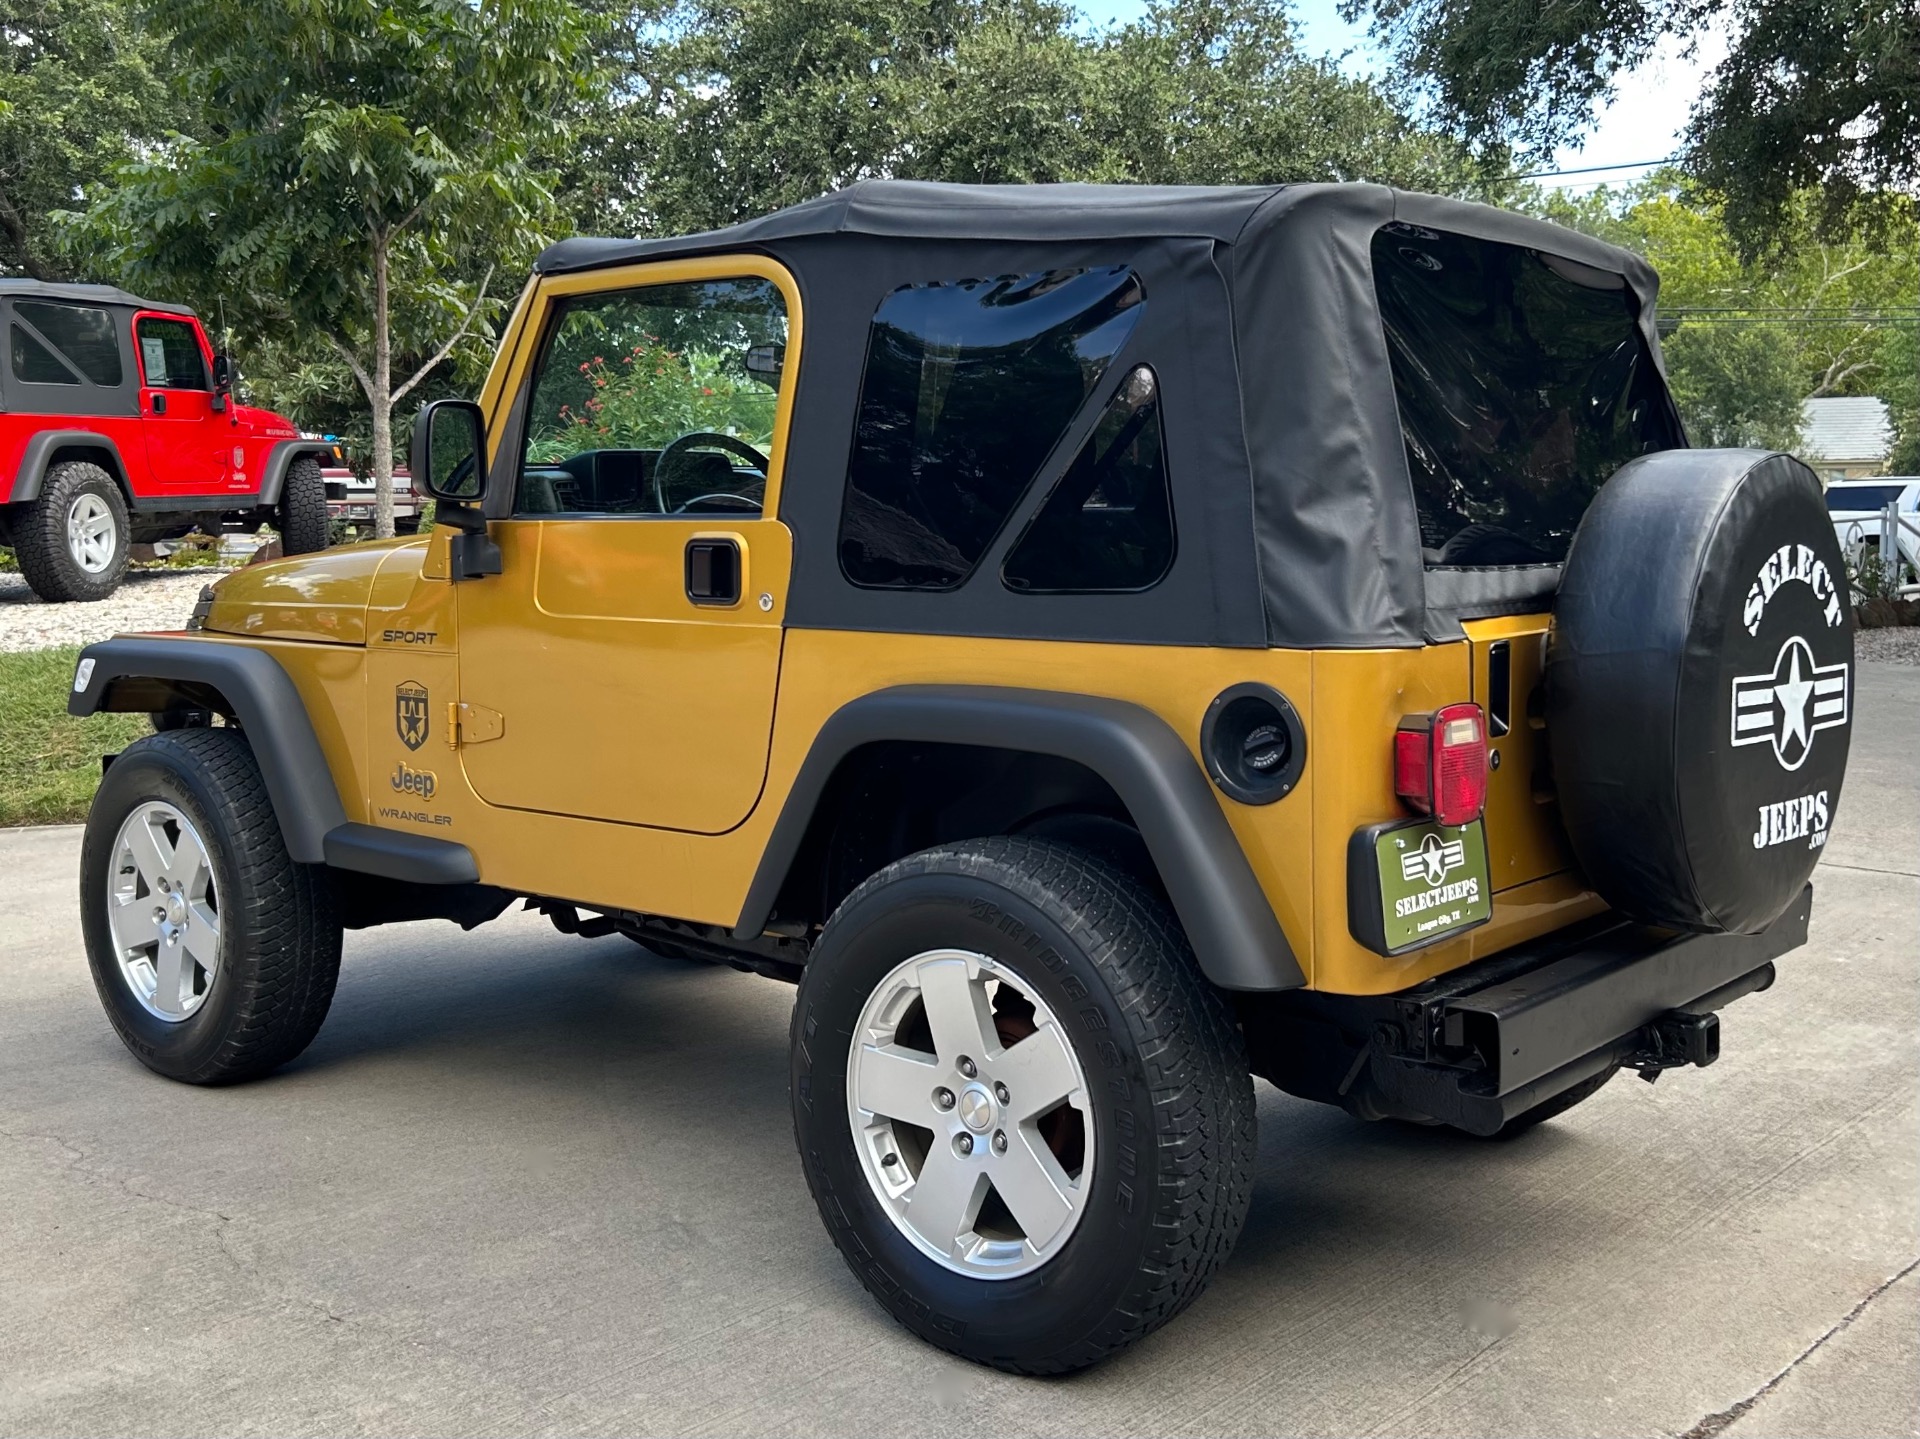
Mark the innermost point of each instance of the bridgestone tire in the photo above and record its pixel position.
(1699, 688)
(303, 508)
(279, 935)
(1172, 1113)
(40, 535)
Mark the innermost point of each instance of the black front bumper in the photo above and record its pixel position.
(1480, 1045)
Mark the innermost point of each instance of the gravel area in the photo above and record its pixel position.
(148, 600)
(1888, 646)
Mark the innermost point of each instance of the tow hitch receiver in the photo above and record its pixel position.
(1675, 1041)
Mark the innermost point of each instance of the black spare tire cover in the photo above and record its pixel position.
(1699, 687)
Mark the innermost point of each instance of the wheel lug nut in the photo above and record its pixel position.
(999, 1141)
(963, 1143)
(1000, 1092)
(943, 1097)
(967, 1067)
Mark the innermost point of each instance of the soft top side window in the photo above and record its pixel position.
(969, 384)
(34, 363)
(82, 334)
(1108, 524)
(1523, 383)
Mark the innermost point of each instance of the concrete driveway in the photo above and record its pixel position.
(530, 1184)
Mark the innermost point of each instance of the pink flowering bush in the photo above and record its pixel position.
(652, 394)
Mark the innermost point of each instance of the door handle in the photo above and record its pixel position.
(159, 404)
(713, 572)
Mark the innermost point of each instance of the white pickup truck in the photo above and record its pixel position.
(1859, 510)
(350, 498)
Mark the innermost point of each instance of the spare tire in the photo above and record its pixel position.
(1699, 687)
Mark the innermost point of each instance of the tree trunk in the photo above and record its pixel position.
(16, 229)
(382, 397)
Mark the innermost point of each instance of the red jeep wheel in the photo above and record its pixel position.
(303, 508)
(72, 540)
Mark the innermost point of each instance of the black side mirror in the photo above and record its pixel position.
(448, 458)
(222, 373)
(767, 361)
(449, 450)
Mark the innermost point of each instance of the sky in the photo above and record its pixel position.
(1643, 122)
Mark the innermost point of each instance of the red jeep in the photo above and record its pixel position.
(117, 428)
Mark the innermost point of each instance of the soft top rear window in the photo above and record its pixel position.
(1523, 383)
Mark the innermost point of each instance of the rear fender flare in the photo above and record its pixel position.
(37, 459)
(1219, 901)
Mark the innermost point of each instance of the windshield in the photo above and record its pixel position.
(1523, 383)
(1861, 497)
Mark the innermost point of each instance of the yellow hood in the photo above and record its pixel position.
(321, 596)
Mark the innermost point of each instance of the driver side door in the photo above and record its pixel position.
(624, 663)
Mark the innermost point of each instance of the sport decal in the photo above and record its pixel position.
(1789, 706)
(410, 713)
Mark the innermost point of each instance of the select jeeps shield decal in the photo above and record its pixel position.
(1790, 704)
(410, 704)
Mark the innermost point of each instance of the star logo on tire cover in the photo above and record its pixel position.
(1789, 706)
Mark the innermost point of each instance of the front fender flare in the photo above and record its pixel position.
(273, 476)
(1219, 901)
(141, 672)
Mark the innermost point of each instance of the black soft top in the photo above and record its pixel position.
(1295, 510)
(1229, 214)
(925, 210)
(12, 289)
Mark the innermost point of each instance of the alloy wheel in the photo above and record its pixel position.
(90, 533)
(970, 1114)
(163, 912)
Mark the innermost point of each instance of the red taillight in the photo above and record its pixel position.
(1440, 763)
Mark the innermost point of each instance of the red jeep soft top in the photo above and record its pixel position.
(117, 428)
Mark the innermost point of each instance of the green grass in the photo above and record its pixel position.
(50, 761)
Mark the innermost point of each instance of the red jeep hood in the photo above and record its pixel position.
(264, 422)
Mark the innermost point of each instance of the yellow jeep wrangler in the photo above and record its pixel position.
(1101, 643)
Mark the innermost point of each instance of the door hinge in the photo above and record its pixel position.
(472, 724)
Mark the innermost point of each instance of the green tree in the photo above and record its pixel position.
(1218, 92)
(722, 109)
(369, 168)
(80, 92)
(1813, 94)
(1748, 341)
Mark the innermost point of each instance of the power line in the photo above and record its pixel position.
(1596, 169)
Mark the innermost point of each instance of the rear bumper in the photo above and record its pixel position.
(1478, 1046)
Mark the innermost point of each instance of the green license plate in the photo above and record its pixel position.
(1433, 881)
